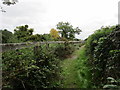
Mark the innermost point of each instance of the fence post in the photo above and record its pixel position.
(36, 51)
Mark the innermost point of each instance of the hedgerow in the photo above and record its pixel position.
(31, 68)
(103, 48)
(63, 51)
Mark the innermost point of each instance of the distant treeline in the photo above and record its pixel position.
(25, 34)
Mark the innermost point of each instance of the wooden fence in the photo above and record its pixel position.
(14, 46)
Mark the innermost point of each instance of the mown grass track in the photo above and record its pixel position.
(74, 71)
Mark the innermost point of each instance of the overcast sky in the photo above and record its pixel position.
(42, 15)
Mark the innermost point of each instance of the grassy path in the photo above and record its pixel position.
(75, 73)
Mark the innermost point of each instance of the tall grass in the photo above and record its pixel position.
(75, 72)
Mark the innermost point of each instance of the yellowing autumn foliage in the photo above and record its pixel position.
(54, 33)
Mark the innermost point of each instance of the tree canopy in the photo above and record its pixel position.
(67, 31)
(23, 32)
(6, 35)
(54, 33)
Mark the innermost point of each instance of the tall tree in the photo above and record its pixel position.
(67, 31)
(6, 36)
(23, 32)
(54, 33)
(9, 2)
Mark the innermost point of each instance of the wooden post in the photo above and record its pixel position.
(36, 51)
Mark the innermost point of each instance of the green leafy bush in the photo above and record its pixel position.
(103, 48)
(29, 68)
(32, 68)
(63, 51)
(92, 40)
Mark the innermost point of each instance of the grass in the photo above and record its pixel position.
(74, 71)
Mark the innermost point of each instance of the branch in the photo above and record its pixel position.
(9, 2)
(1, 9)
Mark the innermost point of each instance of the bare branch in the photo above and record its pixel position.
(1, 9)
(9, 2)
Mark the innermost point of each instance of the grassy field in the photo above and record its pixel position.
(74, 72)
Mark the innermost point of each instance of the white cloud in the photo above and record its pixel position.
(42, 15)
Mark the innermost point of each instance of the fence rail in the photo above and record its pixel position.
(14, 46)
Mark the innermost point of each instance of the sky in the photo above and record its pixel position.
(43, 15)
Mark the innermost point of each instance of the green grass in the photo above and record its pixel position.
(74, 71)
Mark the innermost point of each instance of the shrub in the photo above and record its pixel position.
(104, 53)
(63, 51)
(26, 69)
(33, 68)
(92, 40)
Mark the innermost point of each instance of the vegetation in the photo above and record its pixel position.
(67, 31)
(94, 65)
(31, 68)
(66, 49)
(8, 37)
(54, 34)
(103, 48)
(74, 71)
(23, 33)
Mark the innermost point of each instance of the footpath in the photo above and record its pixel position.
(74, 72)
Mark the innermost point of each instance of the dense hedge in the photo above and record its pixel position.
(64, 50)
(31, 68)
(103, 48)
